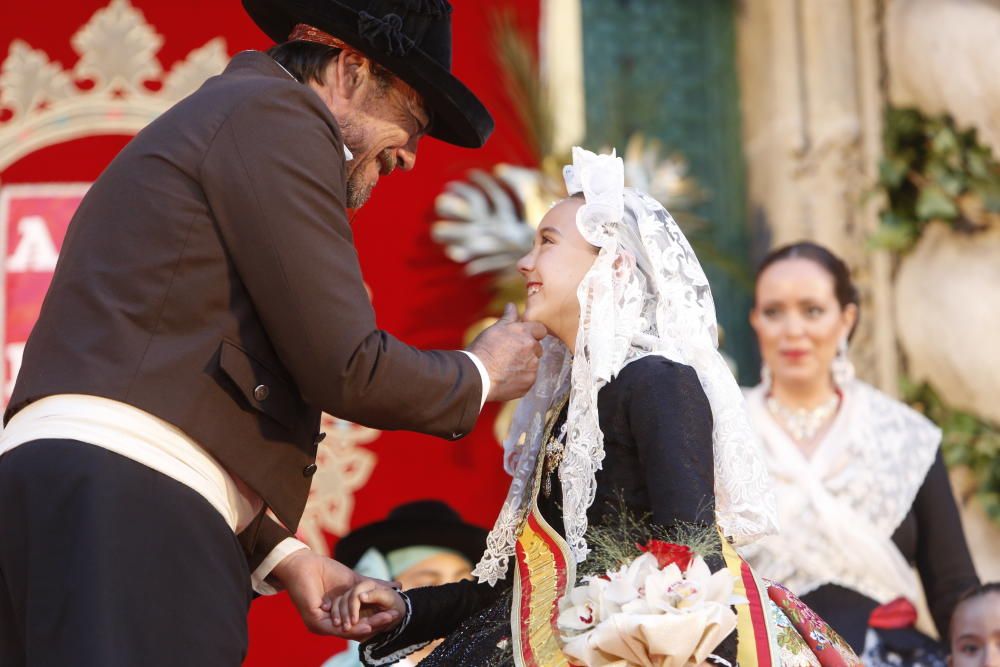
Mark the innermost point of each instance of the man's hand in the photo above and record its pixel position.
(510, 350)
(312, 581)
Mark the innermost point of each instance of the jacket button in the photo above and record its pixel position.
(309, 470)
(261, 392)
(320, 437)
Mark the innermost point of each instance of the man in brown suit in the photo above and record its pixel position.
(207, 306)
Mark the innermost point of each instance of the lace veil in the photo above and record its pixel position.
(645, 294)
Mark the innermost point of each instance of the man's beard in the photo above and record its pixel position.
(356, 140)
(358, 193)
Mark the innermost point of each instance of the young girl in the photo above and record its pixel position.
(633, 403)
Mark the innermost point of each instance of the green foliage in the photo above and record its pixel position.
(932, 171)
(615, 541)
(967, 441)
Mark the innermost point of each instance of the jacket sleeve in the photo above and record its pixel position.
(274, 177)
(670, 420)
(942, 558)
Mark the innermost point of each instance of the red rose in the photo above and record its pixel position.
(667, 553)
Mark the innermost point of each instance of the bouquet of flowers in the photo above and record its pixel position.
(665, 608)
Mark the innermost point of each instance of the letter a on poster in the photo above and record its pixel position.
(33, 223)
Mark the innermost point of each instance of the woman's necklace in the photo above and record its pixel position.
(555, 446)
(803, 423)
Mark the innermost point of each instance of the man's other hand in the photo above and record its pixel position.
(510, 350)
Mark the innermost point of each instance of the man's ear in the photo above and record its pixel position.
(349, 74)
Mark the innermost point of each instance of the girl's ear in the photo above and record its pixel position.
(849, 318)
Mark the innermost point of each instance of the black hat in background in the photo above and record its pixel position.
(424, 522)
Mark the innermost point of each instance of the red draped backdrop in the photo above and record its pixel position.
(418, 294)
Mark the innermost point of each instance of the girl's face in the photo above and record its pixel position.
(975, 632)
(558, 261)
(799, 321)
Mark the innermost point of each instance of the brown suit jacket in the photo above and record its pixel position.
(210, 278)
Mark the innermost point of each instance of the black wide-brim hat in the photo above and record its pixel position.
(410, 38)
(421, 523)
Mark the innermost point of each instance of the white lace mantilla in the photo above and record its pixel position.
(645, 294)
(839, 509)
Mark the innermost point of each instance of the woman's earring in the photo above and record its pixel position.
(765, 376)
(842, 369)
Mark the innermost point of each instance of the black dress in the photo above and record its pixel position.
(930, 537)
(657, 426)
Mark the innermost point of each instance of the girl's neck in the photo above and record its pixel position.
(805, 395)
(568, 339)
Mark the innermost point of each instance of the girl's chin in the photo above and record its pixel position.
(797, 374)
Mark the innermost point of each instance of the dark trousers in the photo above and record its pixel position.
(105, 562)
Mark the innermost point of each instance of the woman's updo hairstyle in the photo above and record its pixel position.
(843, 286)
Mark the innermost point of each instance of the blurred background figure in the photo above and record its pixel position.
(862, 490)
(423, 543)
(975, 628)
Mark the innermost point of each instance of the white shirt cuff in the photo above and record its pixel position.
(287, 546)
(483, 374)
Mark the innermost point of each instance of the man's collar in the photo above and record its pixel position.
(284, 69)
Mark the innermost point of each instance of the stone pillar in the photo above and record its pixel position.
(562, 71)
(810, 77)
(942, 57)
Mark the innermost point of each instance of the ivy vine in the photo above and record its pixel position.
(932, 171)
(967, 440)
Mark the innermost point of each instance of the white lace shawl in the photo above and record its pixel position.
(645, 294)
(840, 508)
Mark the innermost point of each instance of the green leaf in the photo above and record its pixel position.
(979, 163)
(945, 142)
(892, 171)
(951, 181)
(989, 192)
(902, 126)
(934, 203)
(894, 237)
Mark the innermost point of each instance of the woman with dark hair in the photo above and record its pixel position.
(863, 493)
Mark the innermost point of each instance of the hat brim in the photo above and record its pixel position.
(459, 117)
(391, 534)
